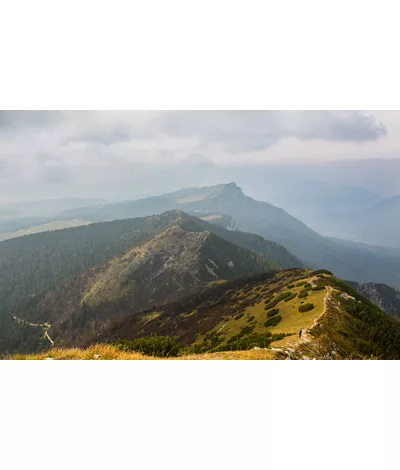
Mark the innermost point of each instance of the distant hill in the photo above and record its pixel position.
(376, 225)
(47, 227)
(385, 297)
(319, 204)
(346, 260)
(45, 207)
(22, 215)
(167, 255)
(258, 317)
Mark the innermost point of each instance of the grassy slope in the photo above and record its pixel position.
(107, 353)
(255, 315)
(343, 325)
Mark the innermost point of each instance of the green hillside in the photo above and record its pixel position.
(268, 311)
(258, 317)
(45, 270)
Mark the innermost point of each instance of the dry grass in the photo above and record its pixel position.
(251, 355)
(106, 352)
(98, 352)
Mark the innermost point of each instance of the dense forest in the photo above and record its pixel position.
(30, 266)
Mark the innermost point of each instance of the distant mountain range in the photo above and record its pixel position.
(359, 262)
(45, 207)
(23, 215)
(375, 225)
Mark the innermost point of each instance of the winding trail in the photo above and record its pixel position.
(327, 298)
(45, 326)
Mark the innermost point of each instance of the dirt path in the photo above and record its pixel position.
(327, 298)
(45, 326)
(305, 337)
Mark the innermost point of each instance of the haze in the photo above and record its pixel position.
(124, 155)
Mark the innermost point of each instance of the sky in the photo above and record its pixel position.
(122, 154)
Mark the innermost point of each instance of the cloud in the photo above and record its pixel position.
(249, 130)
(256, 130)
(107, 146)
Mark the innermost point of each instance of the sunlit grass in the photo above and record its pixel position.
(106, 352)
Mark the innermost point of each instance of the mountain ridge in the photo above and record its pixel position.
(346, 260)
(66, 261)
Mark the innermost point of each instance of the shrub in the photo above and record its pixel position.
(246, 330)
(321, 271)
(162, 346)
(270, 305)
(282, 296)
(290, 286)
(306, 307)
(290, 297)
(238, 316)
(273, 321)
(307, 285)
(319, 286)
(251, 319)
(303, 293)
(254, 340)
(272, 312)
(299, 284)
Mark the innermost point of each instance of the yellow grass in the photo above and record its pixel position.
(98, 352)
(292, 320)
(251, 355)
(106, 352)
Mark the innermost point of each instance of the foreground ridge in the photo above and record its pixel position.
(294, 314)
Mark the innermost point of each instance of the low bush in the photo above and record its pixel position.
(321, 271)
(290, 286)
(282, 296)
(238, 316)
(161, 346)
(319, 286)
(250, 342)
(306, 307)
(290, 297)
(273, 312)
(251, 319)
(246, 330)
(303, 293)
(270, 305)
(273, 321)
(300, 284)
